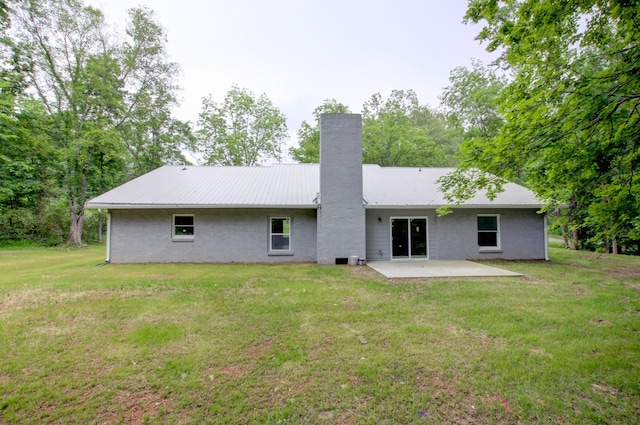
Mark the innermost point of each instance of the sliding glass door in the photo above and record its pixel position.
(409, 237)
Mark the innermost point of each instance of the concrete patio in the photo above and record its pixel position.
(436, 268)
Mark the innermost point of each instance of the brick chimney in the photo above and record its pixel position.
(341, 215)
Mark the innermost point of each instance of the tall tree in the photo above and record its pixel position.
(74, 75)
(392, 134)
(308, 150)
(150, 133)
(572, 110)
(28, 160)
(242, 130)
(472, 98)
(445, 131)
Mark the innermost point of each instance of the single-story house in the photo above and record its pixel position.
(332, 212)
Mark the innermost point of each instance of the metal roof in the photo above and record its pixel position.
(216, 187)
(402, 187)
(288, 185)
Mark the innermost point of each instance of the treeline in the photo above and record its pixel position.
(83, 110)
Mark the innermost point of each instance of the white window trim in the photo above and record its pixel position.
(173, 228)
(271, 234)
(498, 247)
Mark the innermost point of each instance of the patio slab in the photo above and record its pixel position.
(436, 268)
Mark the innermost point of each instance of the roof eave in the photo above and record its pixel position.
(120, 206)
(465, 206)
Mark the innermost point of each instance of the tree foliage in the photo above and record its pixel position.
(28, 160)
(308, 149)
(395, 131)
(472, 100)
(149, 132)
(572, 118)
(76, 78)
(80, 111)
(391, 134)
(242, 130)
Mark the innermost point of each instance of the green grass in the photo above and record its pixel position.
(285, 344)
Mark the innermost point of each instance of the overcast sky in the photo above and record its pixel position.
(300, 52)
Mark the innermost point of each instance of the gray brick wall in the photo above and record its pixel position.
(454, 237)
(221, 235)
(341, 216)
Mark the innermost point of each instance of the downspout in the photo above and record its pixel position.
(546, 239)
(108, 214)
(108, 259)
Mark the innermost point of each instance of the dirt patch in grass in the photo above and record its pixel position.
(136, 407)
(39, 297)
(628, 271)
(532, 279)
(474, 339)
(4, 379)
(448, 404)
(578, 290)
(233, 371)
(366, 272)
(255, 351)
(635, 286)
(497, 399)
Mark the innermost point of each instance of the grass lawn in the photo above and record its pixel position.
(308, 344)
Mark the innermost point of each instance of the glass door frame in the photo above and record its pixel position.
(409, 237)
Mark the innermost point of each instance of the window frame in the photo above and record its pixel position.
(489, 248)
(178, 237)
(409, 238)
(272, 234)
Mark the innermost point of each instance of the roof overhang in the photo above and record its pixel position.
(192, 206)
(466, 206)
(303, 206)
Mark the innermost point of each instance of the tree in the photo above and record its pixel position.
(99, 92)
(308, 150)
(74, 75)
(243, 130)
(29, 170)
(392, 134)
(445, 131)
(149, 132)
(472, 98)
(471, 101)
(155, 139)
(572, 112)
(396, 131)
(28, 160)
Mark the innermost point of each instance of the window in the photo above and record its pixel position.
(183, 226)
(489, 232)
(280, 234)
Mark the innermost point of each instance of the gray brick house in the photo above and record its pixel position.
(330, 212)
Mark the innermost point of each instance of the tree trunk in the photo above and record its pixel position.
(563, 228)
(75, 227)
(100, 227)
(572, 217)
(565, 237)
(574, 242)
(614, 246)
(76, 209)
